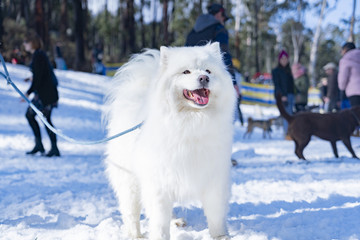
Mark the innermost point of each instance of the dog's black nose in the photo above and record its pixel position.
(204, 80)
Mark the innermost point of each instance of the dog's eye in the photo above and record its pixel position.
(208, 71)
(186, 72)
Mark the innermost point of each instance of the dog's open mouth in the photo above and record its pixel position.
(199, 96)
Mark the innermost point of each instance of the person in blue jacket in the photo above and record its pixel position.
(44, 89)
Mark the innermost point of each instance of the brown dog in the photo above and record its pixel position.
(265, 125)
(329, 126)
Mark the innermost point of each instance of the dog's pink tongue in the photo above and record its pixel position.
(201, 96)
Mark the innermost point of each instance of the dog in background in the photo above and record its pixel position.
(265, 125)
(329, 126)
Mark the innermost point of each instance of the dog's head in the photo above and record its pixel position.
(195, 77)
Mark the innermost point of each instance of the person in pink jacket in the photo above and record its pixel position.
(349, 73)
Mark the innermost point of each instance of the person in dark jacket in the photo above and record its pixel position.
(44, 88)
(210, 27)
(332, 99)
(284, 84)
(302, 84)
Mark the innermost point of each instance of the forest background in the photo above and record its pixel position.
(258, 29)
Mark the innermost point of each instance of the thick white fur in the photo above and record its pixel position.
(183, 151)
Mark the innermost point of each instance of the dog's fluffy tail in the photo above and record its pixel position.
(128, 91)
(281, 108)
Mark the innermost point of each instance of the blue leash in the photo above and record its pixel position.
(54, 130)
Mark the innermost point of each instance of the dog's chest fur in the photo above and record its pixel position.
(192, 158)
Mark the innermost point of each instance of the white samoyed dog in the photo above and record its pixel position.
(185, 98)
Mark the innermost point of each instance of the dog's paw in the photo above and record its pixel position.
(234, 163)
(141, 237)
(179, 222)
(134, 234)
(224, 237)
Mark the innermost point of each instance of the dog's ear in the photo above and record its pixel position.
(215, 47)
(164, 52)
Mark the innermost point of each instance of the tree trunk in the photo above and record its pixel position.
(256, 35)
(268, 57)
(79, 36)
(153, 36)
(46, 24)
(237, 28)
(352, 23)
(25, 12)
(63, 19)
(142, 26)
(107, 45)
(131, 25)
(86, 20)
(1, 25)
(165, 23)
(40, 19)
(297, 38)
(314, 46)
(124, 43)
(129, 38)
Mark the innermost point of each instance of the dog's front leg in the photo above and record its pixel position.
(159, 211)
(334, 148)
(215, 206)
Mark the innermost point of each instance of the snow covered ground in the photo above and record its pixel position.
(274, 196)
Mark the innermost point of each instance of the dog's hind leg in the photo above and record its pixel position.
(299, 148)
(268, 133)
(334, 148)
(347, 143)
(248, 132)
(248, 135)
(245, 134)
(298, 154)
(265, 132)
(127, 191)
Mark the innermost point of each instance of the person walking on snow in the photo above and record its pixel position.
(44, 88)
